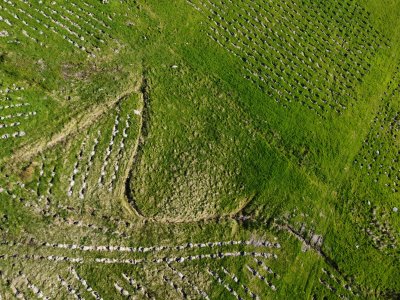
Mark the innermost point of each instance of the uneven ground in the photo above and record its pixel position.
(200, 149)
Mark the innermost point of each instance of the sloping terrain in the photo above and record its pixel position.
(199, 149)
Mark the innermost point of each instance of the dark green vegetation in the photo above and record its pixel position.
(213, 149)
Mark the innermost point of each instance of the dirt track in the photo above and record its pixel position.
(80, 122)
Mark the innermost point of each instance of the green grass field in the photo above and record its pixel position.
(200, 149)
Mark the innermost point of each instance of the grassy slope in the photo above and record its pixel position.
(332, 145)
(267, 150)
(376, 269)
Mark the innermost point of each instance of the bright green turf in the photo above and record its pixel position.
(209, 155)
